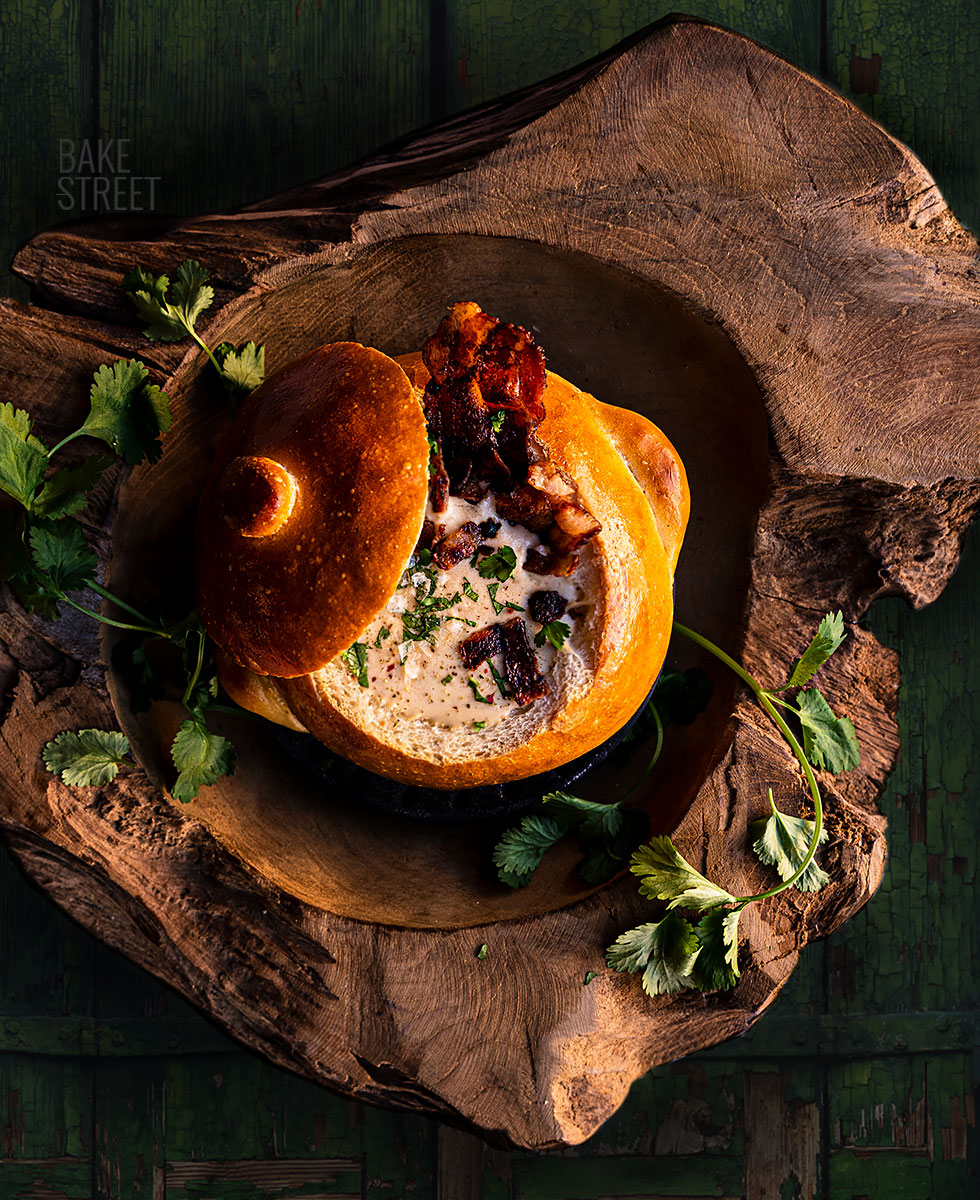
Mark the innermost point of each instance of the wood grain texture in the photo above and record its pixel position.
(915, 587)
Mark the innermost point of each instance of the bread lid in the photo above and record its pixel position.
(313, 505)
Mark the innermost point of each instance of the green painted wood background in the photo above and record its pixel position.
(861, 1081)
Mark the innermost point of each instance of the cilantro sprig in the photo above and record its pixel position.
(45, 558)
(673, 953)
(676, 952)
(171, 314)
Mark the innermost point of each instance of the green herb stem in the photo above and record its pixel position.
(204, 347)
(191, 683)
(765, 701)
(134, 612)
(64, 442)
(109, 621)
(656, 753)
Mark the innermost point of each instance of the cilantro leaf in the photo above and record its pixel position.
(497, 420)
(520, 850)
(14, 559)
(665, 951)
(88, 758)
(555, 632)
(61, 552)
(242, 370)
(127, 413)
(190, 291)
(827, 639)
(666, 875)
(500, 565)
(23, 459)
(64, 493)
(469, 590)
(355, 660)
(166, 321)
(201, 757)
(829, 742)
(716, 966)
(594, 819)
(782, 841)
(680, 696)
(608, 833)
(149, 295)
(500, 605)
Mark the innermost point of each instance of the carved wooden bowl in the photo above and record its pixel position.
(778, 284)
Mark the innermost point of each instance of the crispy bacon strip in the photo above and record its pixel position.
(480, 646)
(520, 666)
(456, 546)
(483, 403)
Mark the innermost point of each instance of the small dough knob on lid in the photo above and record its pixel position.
(255, 495)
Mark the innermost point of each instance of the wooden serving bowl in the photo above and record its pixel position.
(779, 285)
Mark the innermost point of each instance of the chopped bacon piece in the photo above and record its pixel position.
(572, 528)
(480, 646)
(525, 506)
(480, 367)
(425, 537)
(540, 561)
(456, 546)
(545, 607)
(520, 666)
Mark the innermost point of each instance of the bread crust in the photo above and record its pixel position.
(313, 505)
(630, 478)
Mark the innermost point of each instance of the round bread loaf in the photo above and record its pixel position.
(380, 686)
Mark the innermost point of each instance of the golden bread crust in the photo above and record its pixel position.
(612, 461)
(313, 505)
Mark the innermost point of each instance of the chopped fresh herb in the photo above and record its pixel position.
(383, 632)
(469, 590)
(499, 681)
(446, 679)
(355, 660)
(482, 952)
(419, 626)
(497, 420)
(479, 724)
(554, 632)
(465, 621)
(500, 565)
(589, 976)
(424, 558)
(477, 694)
(88, 758)
(500, 605)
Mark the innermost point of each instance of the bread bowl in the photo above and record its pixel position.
(377, 536)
